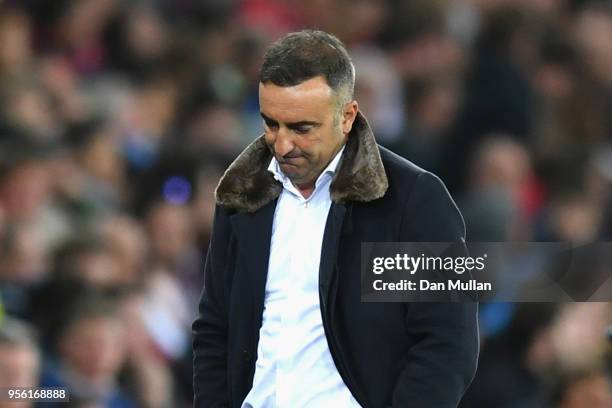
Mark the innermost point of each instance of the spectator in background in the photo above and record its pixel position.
(19, 359)
(128, 245)
(578, 335)
(76, 32)
(432, 107)
(26, 198)
(90, 260)
(23, 267)
(90, 353)
(26, 105)
(95, 152)
(589, 387)
(139, 40)
(379, 88)
(511, 363)
(593, 29)
(25, 193)
(15, 42)
(573, 218)
(499, 200)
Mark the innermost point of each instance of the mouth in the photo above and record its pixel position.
(291, 161)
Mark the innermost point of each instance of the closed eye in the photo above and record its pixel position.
(303, 127)
(302, 130)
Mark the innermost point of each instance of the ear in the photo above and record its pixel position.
(349, 113)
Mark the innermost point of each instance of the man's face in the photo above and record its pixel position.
(304, 127)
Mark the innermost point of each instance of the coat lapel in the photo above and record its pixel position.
(328, 266)
(254, 233)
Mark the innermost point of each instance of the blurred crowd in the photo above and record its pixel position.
(117, 119)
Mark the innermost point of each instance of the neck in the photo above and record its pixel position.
(306, 189)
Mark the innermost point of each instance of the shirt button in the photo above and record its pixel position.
(246, 355)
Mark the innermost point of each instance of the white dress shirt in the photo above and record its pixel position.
(294, 366)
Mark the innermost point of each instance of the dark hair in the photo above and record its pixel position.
(306, 54)
(88, 306)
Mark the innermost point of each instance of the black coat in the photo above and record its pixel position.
(388, 354)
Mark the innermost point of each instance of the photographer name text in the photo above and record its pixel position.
(413, 264)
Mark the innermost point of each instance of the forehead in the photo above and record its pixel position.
(311, 99)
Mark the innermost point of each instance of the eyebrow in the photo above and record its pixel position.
(291, 125)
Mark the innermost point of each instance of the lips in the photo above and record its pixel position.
(290, 160)
(286, 164)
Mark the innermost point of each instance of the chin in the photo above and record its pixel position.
(295, 177)
(290, 170)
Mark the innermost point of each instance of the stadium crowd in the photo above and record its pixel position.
(117, 119)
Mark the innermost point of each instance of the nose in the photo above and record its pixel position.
(283, 143)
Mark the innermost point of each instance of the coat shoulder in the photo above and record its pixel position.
(418, 191)
(401, 172)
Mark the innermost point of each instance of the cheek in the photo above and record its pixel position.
(327, 141)
(269, 138)
(308, 146)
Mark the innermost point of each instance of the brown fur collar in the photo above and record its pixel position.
(247, 185)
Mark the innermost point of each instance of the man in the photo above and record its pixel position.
(281, 323)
